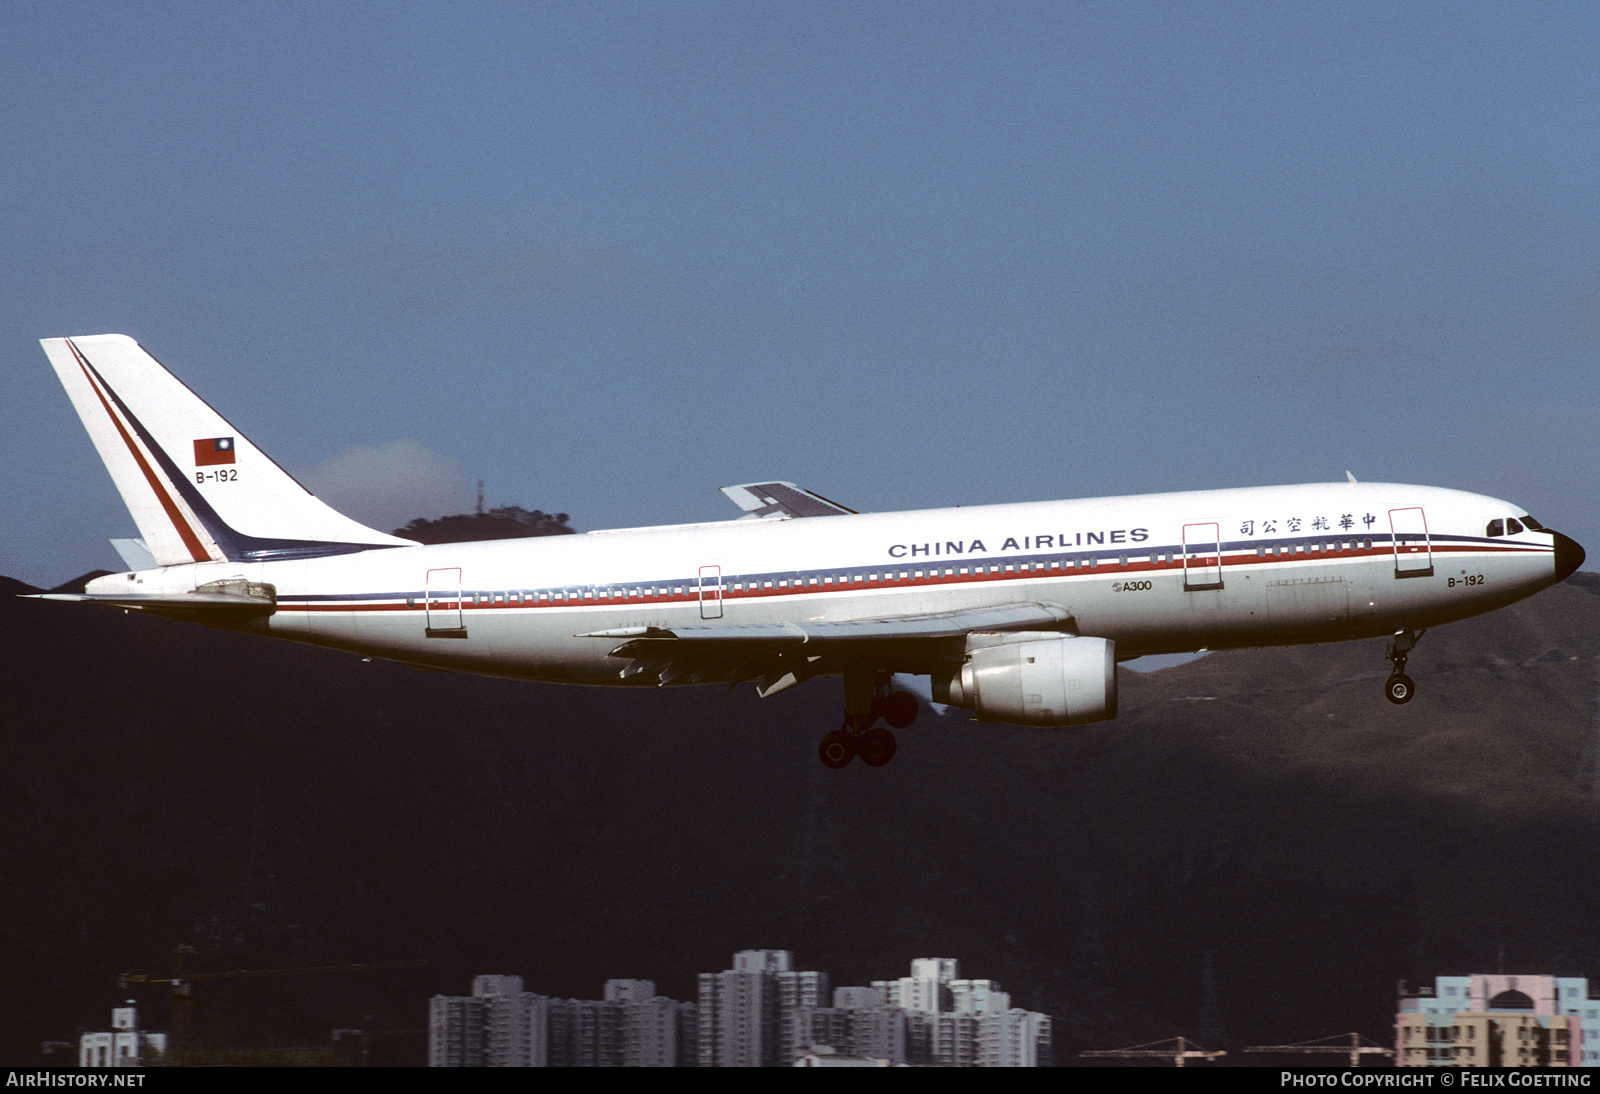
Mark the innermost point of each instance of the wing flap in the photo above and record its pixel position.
(780, 655)
(998, 617)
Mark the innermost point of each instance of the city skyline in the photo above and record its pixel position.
(761, 1012)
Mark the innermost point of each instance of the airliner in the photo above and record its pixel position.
(1019, 613)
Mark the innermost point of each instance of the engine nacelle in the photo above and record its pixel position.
(1034, 678)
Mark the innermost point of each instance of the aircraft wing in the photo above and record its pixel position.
(780, 501)
(781, 655)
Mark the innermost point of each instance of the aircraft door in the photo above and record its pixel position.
(1202, 556)
(711, 592)
(1413, 554)
(443, 604)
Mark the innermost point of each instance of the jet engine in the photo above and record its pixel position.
(1034, 678)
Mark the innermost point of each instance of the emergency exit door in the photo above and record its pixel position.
(711, 592)
(1202, 556)
(1413, 554)
(442, 606)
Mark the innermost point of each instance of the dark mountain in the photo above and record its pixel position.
(503, 522)
(1265, 811)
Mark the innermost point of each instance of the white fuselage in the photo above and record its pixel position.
(1153, 573)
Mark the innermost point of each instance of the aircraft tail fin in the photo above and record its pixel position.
(198, 489)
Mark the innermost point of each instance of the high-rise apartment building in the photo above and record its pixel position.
(1014, 1038)
(949, 1021)
(124, 1045)
(1498, 1020)
(456, 1031)
(926, 990)
(744, 1012)
(500, 1025)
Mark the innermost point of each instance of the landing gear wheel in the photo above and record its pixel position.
(877, 747)
(838, 749)
(1398, 688)
(900, 709)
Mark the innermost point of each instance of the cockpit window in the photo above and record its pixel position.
(1513, 526)
(1531, 523)
(1497, 528)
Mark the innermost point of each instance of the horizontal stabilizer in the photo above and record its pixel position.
(781, 501)
(220, 602)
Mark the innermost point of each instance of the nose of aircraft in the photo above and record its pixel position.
(1569, 556)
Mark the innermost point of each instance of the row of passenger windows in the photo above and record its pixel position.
(833, 580)
(1328, 547)
(760, 586)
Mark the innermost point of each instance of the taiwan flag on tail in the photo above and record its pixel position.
(213, 450)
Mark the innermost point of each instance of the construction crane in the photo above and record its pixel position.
(182, 997)
(181, 980)
(1176, 1049)
(1355, 1049)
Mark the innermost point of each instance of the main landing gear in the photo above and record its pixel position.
(1399, 689)
(860, 735)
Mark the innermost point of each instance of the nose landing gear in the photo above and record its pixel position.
(1399, 688)
(860, 735)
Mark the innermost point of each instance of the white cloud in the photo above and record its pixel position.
(386, 485)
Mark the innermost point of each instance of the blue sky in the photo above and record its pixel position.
(609, 257)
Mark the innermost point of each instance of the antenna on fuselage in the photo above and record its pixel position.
(1347, 475)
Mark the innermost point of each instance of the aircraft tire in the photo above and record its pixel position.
(836, 750)
(900, 709)
(1399, 689)
(877, 747)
